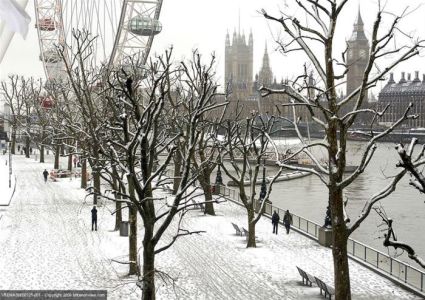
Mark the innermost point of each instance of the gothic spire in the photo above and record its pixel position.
(266, 74)
(227, 39)
(358, 30)
(266, 63)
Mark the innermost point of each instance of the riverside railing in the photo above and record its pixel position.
(394, 269)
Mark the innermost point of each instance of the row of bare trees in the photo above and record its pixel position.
(133, 127)
(136, 125)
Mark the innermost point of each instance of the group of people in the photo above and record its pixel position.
(287, 221)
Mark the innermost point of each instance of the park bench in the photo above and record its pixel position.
(238, 231)
(329, 290)
(61, 173)
(307, 278)
(246, 233)
(200, 206)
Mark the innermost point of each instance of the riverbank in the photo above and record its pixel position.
(46, 243)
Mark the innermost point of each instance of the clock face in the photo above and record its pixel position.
(362, 53)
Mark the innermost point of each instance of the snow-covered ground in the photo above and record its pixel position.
(46, 243)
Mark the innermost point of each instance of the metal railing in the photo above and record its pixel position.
(403, 273)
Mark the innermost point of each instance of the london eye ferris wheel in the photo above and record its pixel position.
(124, 29)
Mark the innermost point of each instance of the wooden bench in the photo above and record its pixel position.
(329, 290)
(246, 233)
(307, 278)
(238, 231)
(200, 206)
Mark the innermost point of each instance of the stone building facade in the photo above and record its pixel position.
(245, 96)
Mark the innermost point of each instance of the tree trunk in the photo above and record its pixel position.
(42, 153)
(177, 172)
(339, 246)
(13, 141)
(69, 162)
(27, 146)
(148, 266)
(132, 218)
(117, 187)
(206, 187)
(251, 229)
(96, 184)
(57, 152)
(83, 173)
(336, 202)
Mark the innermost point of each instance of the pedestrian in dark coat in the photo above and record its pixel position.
(45, 175)
(275, 221)
(287, 221)
(94, 218)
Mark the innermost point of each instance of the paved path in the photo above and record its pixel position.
(45, 242)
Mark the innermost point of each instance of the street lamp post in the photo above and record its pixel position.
(218, 181)
(10, 165)
(218, 178)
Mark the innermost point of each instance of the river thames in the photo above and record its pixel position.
(307, 197)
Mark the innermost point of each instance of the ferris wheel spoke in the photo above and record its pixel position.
(123, 28)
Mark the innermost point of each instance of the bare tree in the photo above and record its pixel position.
(141, 132)
(205, 156)
(14, 96)
(247, 144)
(335, 115)
(31, 90)
(42, 109)
(84, 108)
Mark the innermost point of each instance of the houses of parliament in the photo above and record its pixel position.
(244, 86)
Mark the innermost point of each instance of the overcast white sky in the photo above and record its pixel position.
(190, 24)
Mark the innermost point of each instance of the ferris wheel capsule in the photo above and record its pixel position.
(46, 24)
(123, 29)
(144, 26)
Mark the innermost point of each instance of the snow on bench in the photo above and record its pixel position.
(238, 230)
(198, 205)
(328, 289)
(307, 278)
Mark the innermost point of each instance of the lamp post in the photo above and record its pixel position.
(10, 165)
(218, 178)
(218, 182)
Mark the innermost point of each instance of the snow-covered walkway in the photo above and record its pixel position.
(46, 243)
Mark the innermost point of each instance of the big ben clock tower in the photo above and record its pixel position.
(358, 56)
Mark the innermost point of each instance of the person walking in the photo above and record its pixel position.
(287, 221)
(275, 221)
(45, 175)
(94, 218)
(75, 161)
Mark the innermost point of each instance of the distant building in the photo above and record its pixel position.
(357, 57)
(238, 73)
(398, 95)
(238, 78)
